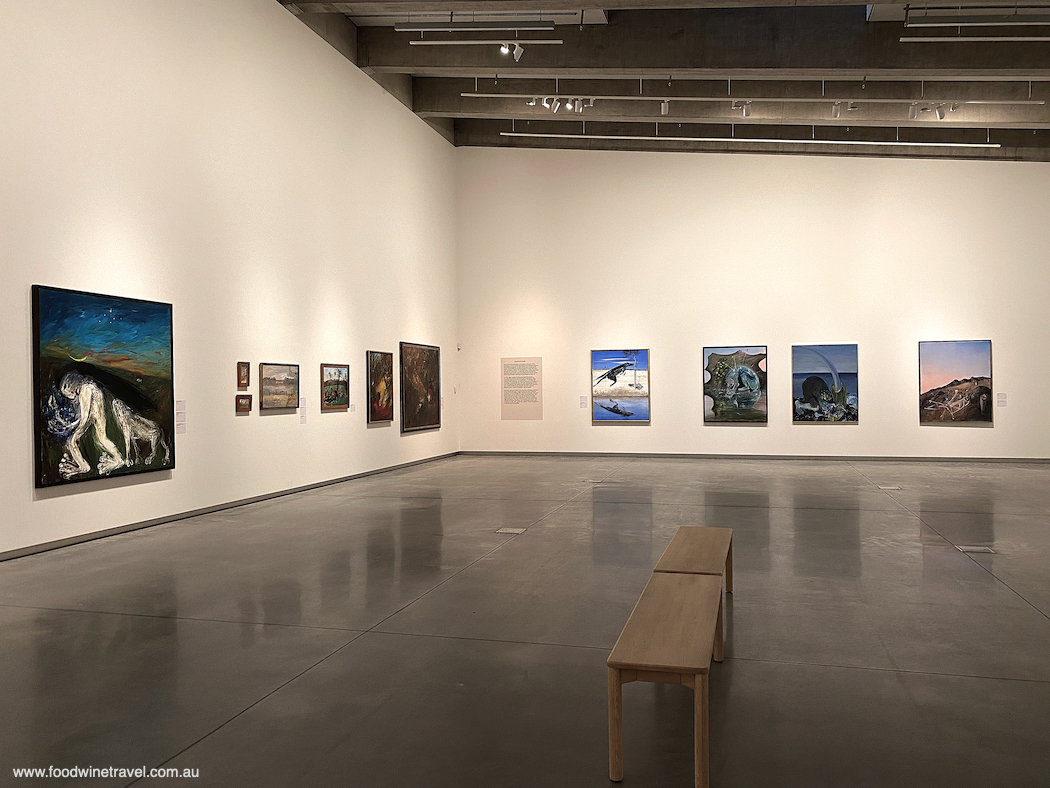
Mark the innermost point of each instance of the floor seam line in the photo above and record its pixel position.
(252, 705)
(887, 670)
(180, 618)
(484, 640)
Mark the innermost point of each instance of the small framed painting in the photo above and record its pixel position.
(278, 386)
(244, 403)
(420, 387)
(380, 368)
(244, 374)
(335, 386)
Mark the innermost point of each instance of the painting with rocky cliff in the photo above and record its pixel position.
(824, 383)
(955, 382)
(735, 384)
(103, 395)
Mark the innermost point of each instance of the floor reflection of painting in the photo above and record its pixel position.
(103, 389)
(824, 383)
(619, 385)
(278, 386)
(955, 382)
(380, 386)
(420, 387)
(735, 384)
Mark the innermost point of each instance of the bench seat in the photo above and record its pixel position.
(670, 637)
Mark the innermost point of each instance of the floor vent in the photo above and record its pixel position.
(970, 548)
(890, 487)
(511, 531)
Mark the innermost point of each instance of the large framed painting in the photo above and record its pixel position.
(824, 383)
(955, 382)
(420, 387)
(735, 384)
(335, 387)
(380, 368)
(619, 385)
(278, 386)
(103, 392)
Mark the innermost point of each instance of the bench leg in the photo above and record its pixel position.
(615, 726)
(720, 647)
(729, 568)
(701, 748)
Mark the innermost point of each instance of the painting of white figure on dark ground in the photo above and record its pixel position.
(104, 400)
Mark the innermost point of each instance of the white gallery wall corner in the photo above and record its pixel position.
(293, 214)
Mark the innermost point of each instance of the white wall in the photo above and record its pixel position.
(221, 157)
(561, 252)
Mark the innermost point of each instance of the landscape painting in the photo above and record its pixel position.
(420, 387)
(278, 386)
(380, 368)
(103, 392)
(244, 403)
(735, 384)
(619, 385)
(955, 382)
(244, 374)
(824, 383)
(335, 386)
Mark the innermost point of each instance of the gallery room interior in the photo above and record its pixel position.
(778, 270)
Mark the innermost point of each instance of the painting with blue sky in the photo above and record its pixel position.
(103, 388)
(619, 385)
(824, 383)
(955, 382)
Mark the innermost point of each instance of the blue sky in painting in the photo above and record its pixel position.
(134, 335)
(942, 362)
(607, 359)
(844, 357)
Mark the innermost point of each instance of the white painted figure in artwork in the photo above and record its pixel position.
(90, 419)
(138, 428)
(91, 407)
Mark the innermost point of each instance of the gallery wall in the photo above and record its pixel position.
(562, 252)
(223, 158)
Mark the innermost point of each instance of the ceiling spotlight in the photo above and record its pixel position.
(836, 109)
(665, 107)
(590, 103)
(954, 107)
(546, 102)
(747, 109)
(556, 105)
(579, 105)
(568, 104)
(853, 106)
(504, 48)
(533, 102)
(940, 112)
(913, 111)
(519, 50)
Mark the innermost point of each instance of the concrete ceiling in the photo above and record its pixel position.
(808, 77)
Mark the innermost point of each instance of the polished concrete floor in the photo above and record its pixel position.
(380, 632)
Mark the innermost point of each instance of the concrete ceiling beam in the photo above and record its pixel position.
(1016, 145)
(405, 7)
(758, 43)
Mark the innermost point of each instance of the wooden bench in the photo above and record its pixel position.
(703, 551)
(670, 637)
